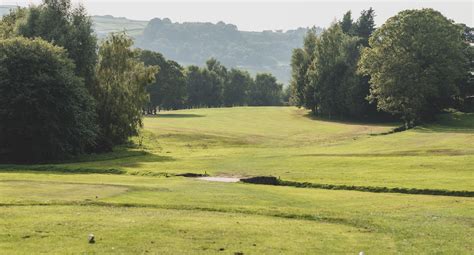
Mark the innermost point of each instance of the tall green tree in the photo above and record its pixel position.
(265, 91)
(168, 91)
(332, 74)
(46, 112)
(415, 60)
(301, 59)
(299, 69)
(196, 87)
(120, 90)
(236, 88)
(216, 75)
(56, 21)
(347, 23)
(365, 26)
(310, 46)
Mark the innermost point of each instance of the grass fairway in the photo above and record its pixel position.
(133, 203)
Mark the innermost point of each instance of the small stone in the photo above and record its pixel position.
(91, 238)
(361, 253)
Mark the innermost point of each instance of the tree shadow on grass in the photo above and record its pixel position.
(175, 116)
(368, 122)
(107, 163)
(450, 123)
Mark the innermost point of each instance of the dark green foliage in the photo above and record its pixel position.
(265, 91)
(169, 89)
(120, 90)
(365, 26)
(196, 87)
(214, 86)
(346, 23)
(415, 61)
(57, 22)
(46, 111)
(216, 76)
(236, 88)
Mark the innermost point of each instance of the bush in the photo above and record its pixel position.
(46, 111)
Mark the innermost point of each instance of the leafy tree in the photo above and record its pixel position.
(174, 90)
(46, 111)
(216, 75)
(169, 89)
(8, 23)
(347, 23)
(120, 90)
(331, 74)
(415, 60)
(236, 89)
(301, 94)
(151, 58)
(365, 26)
(57, 22)
(299, 68)
(265, 91)
(196, 87)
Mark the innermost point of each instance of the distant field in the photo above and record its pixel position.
(104, 25)
(140, 206)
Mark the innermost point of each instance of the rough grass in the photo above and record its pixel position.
(127, 201)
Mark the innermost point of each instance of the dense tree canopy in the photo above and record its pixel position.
(415, 61)
(120, 90)
(58, 22)
(324, 71)
(265, 91)
(46, 110)
(236, 88)
(168, 91)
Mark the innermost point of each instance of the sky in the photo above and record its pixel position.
(261, 15)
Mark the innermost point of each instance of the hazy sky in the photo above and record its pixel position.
(264, 14)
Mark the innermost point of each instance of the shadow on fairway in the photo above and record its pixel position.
(109, 163)
(175, 115)
(384, 122)
(450, 123)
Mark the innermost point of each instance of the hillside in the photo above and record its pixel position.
(194, 43)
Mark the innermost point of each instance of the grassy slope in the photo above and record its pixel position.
(285, 142)
(48, 211)
(104, 25)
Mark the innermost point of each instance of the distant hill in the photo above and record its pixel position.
(195, 42)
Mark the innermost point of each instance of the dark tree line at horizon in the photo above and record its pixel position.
(213, 85)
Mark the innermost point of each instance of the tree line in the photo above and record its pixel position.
(412, 67)
(64, 93)
(213, 85)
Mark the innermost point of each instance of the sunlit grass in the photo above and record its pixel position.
(131, 200)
